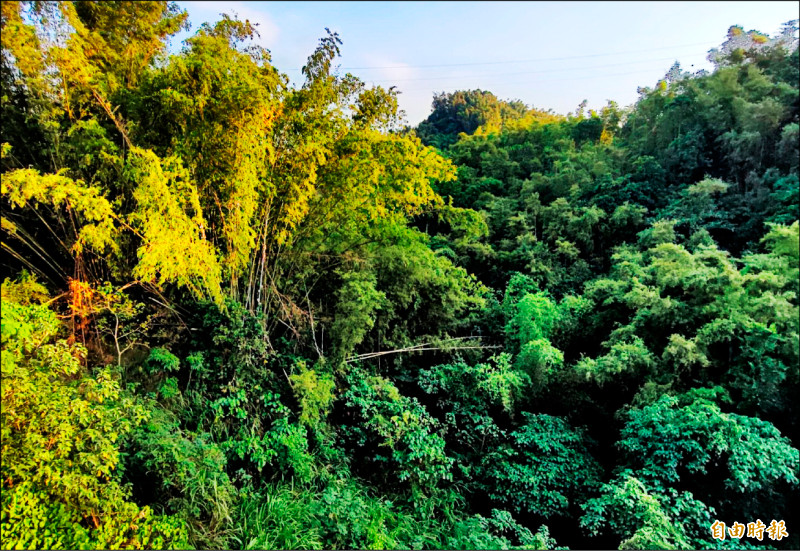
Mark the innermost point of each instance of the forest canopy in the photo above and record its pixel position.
(243, 314)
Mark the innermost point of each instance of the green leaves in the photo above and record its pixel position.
(495, 383)
(784, 240)
(396, 430)
(533, 318)
(633, 513)
(314, 391)
(680, 304)
(728, 458)
(61, 430)
(264, 261)
(359, 301)
(676, 436)
(544, 469)
(480, 532)
(186, 469)
(168, 219)
(624, 356)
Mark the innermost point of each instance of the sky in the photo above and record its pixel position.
(549, 55)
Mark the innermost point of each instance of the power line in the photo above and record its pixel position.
(524, 60)
(590, 77)
(542, 71)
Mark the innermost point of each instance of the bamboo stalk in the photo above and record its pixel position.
(423, 347)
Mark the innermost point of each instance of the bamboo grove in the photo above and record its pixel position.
(240, 313)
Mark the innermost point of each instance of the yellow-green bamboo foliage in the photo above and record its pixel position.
(170, 220)
(97, 230)
(224, 180)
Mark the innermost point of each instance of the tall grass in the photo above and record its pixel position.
(278, 517)
(343, 515)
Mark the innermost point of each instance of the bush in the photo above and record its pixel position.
(61, 430)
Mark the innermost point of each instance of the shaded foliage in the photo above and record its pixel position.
(245, 314)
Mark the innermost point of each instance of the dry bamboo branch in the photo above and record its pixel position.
(423, 347)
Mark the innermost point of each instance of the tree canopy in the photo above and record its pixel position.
(239, 313)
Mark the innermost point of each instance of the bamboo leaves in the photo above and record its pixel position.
(174, 247)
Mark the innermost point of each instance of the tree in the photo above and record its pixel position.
(61, 431)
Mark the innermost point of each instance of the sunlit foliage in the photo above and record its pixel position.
(241, 313)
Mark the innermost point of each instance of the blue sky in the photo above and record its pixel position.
(550, 55)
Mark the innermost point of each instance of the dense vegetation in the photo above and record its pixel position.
(242, 314)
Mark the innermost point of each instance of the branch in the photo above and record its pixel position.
(423, 347)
